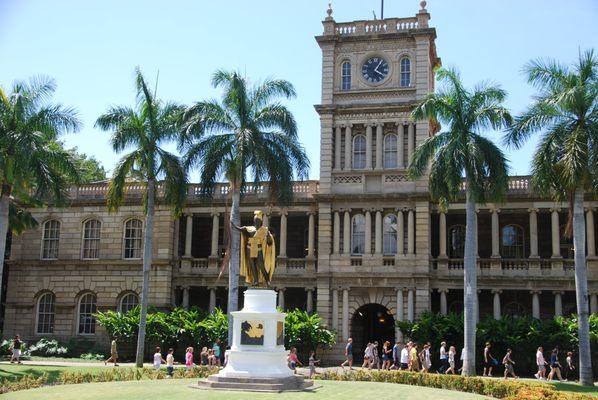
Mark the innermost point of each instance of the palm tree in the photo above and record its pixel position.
(144, 129)
(33, 170)
(248, 132)
(463, 159)
(565, 163)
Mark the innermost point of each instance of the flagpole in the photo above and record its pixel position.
(382, 10)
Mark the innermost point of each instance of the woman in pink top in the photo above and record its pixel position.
(189, 358)
(293, 360)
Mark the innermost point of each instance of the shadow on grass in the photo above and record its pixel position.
(18, 371)
(574, 387)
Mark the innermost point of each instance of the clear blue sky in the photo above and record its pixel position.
(92, 47)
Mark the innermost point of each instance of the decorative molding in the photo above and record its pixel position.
(348, 179)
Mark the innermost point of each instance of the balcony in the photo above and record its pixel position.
(211, 266)
(556, 267)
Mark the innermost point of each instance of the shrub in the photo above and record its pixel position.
(6, 348)
(48, 348)
(499, 389)
(23, 383)
(92, 356)
(306, 332)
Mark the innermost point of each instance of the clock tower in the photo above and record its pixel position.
(374, 222)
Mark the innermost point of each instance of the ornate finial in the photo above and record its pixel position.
(423, 4)
(329, 11)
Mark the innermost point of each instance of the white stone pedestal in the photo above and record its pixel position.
(258, 349)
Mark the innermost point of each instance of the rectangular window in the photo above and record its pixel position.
(91, 239)
(50, 240)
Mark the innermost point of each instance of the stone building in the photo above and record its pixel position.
(363, 246)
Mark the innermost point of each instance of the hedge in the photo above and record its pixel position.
(497, 388)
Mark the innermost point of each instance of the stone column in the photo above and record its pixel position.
(311, 234)
(379, 146)
(348, 144)
(335, 309)
(495, 234)
(283, 234)
(410, 141)
(188, 236)
(594, 303)
(400, 233)
(399, 314)
(378, 235)
(368, 232)
(281, 298)
(347, 233)
(310, 299)
(185, 296)
(337, 148)
(410, 232)
(590, 233)
(345, 320)
(410, 305)
(215, 222)
(443, 305)
(400, 145)
(558, 304)
(533, 233)
(556, 235)
(336, 233)
(535, 303)
(496, 304)
(442, 235)
(368, 147)
(212, 298)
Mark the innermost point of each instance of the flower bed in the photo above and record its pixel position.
(497, 388)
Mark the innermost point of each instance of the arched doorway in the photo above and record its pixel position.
(371, 322)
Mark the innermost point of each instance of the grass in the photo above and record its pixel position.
(65, 359)
(179, 389)
(573, 387)
(18, 370)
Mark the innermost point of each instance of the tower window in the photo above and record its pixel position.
(346, 75)
(390, 151)
(358, 235)
(405, 72)
(390, 234)
(359, 152)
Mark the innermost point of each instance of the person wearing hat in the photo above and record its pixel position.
(258, 252)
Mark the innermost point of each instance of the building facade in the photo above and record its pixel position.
(364, 246)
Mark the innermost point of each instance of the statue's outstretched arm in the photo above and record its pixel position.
(237, 228)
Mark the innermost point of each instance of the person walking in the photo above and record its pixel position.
(405, 357)
(461, 358)
(376, 356)
(489, 361)
(570, 370)
(170, 363)
(444, 364)
(386, 355)
(294, 360)
(158, 359)
(16, 350)
(451, 360)
(367, 356)
(348, 354)
(413, 358)
(312, 363)
(541, 363)
(555, 365)
(509, 363)
(113, 354)
(396, 355)
(216, 349)
(424, 356)
(189, 358)
(203, 356)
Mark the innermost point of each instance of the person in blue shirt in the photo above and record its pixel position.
(396, 354)
(555, 366)
(348, 354)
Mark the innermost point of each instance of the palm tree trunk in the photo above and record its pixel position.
(4, 207)
(233, 268)
(147, 264)
(470, 288)
(581, 290)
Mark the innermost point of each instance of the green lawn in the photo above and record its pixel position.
(17, 371)
(573, 387)
(179, 389)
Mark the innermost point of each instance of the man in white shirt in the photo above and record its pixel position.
(405, 357)
(541, 362)
(443, 358)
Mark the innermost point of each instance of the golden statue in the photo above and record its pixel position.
(258, 252)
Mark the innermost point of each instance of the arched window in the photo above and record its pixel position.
(132, 239)
(456, 241)
(405, 72)
(50, 239)
(390, 234)
(512, 242)
(359, 152)
(390, 151)
(346, 75)
(87, 309)
(358, 235)
(45, 313)
(128, 302)
(91, 239)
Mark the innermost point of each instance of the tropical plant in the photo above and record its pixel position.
(48, 348)
(32, 169)
(145, 129)
(248, 132)
(306, 332)
(460, 159)
(565, 163)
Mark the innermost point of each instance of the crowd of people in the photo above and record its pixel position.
(416, 357)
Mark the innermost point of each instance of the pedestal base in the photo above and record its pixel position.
(291, 383)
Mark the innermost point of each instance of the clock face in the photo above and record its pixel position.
(374, 70)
